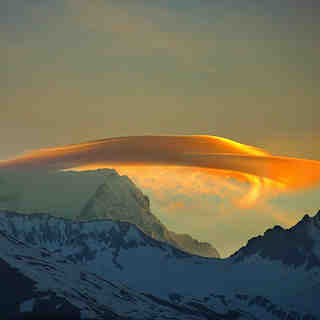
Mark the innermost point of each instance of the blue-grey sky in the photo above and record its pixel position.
(80, 70)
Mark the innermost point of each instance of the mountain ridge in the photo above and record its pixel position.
(89, 195)
(109, 203)
(122, 252)
(294, 246)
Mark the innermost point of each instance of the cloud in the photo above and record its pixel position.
(124, 67)
(205, 156)
(224, 190)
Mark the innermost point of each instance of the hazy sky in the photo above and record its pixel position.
(80, 70)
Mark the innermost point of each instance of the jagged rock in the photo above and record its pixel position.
(119, 199)
(297, 246)
(81, 262)
(90, 195)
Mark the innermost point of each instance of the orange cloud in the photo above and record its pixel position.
(187, 164)
(243, 190)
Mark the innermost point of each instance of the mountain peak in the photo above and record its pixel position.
(118, 198)
(295, 246)
(276, 228)
(90, 195)
(306, 217)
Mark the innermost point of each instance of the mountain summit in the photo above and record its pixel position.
(118, 198)
(91, 195)
(296, 246)
(105, 269)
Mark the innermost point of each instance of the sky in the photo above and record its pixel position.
(79, 70)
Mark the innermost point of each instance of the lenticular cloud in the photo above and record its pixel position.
(215, 155)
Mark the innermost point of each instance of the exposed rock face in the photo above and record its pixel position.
(80, 241)
(105, 269)
(90, 195)
(297, 246)
(119, 199)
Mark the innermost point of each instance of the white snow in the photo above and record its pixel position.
(151, 269)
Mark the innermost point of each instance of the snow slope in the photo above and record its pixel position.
(100, 194)
(260, 284)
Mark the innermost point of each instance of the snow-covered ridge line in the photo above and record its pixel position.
(58, 233)
(40, 245)
(297, 246)
(303, 239)
(90, 195)
(49, 285)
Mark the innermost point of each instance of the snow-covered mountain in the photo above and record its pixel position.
(38, 283)
(84, 265)
(100, 194)
(298, 246)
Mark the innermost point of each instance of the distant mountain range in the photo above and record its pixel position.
(298, 246)
(97, 252)
(103, 269)
(100, 194)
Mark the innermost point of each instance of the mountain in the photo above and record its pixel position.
(298, 246)
(58, 283)
(49, 287)
(112, 270)
(119, 199)
(90, 195)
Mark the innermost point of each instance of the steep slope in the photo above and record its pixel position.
(297, 246)
(100, 194)
(255, 287)
(119, 199)
(54, 287)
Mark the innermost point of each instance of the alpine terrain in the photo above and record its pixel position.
(97, 252)
(90, 195)
(104, 269)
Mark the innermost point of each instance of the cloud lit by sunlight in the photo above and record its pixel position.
(194, 164)
(218, 185)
